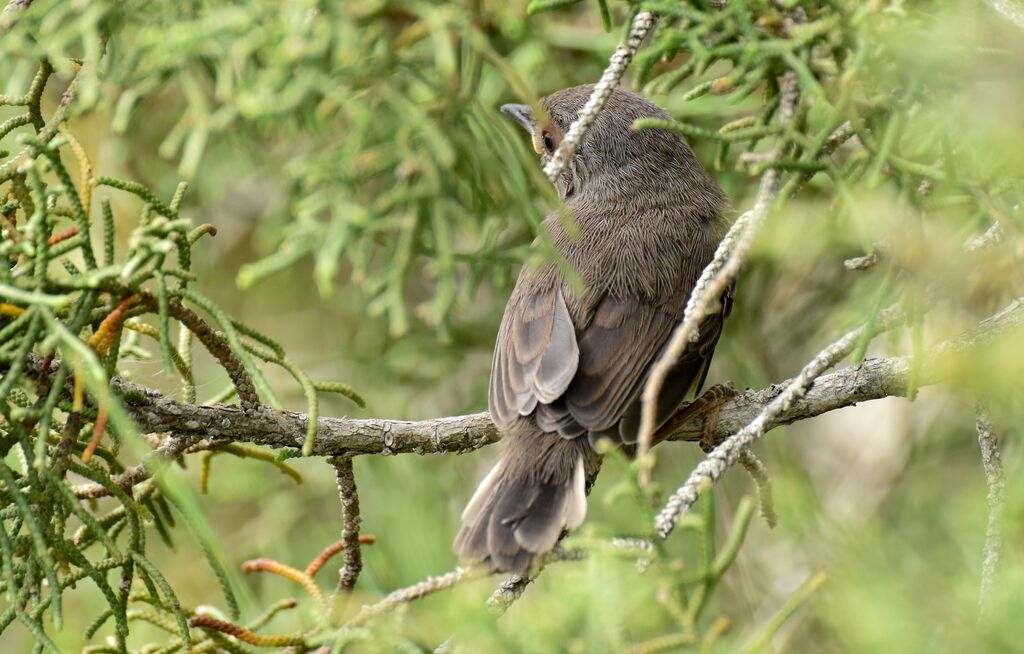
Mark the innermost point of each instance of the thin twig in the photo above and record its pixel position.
(408, 594)
(508, 591)
(431, 585)
(863, 262)
(991, 237)
(993, 464)
(12, 10)
(513, 587)
(16, 5)
(167, 451)
(216, 346)
(728, 453)
(759, 473)
(1008, 9)
(725, 455)
(715, 279)
(620, 60)
(351, 520)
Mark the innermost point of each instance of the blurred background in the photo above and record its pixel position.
(373, 207)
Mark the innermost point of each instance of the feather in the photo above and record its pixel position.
(569, 367)
(536, 355)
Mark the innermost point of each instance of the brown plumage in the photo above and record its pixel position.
(569, 368)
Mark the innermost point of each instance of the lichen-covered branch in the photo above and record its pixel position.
(993, 465)
(10, 13)
(417, 591)
(620, 59)
(205, 426)
(1011, 10)
(727, 453)
(349, 497)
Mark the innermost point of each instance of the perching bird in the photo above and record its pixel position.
(569, 367)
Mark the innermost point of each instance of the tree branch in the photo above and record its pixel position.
(12, 10)
(1008, 9)
(205, 426)
(417, 591)
(798, 389)
(154, 412)
(351, 520)
(993, 464)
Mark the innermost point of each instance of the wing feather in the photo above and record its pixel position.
(536, 355)
(616, 349)
(580, 369)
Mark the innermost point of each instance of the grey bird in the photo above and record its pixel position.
(568, 367)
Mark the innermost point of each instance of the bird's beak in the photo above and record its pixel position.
(522, 114)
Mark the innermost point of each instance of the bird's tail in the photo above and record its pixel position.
(520, 509)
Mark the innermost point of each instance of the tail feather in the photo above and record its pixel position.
(482, 496)
(536, 526)
(515, 517)
(577, 510)
(471, 542)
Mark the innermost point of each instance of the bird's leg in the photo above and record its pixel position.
(714, 398)
(706, 407)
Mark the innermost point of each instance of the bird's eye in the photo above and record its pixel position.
(549, 143)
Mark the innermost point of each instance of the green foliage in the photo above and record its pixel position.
(387, 112)
(62, 337)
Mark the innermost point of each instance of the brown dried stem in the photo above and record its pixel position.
(288, 572)
(244, 635)
(328, 552)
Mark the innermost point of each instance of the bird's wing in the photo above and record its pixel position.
(618, 348)
(589, 380)
(582, 372)
(536, 355)
(686, 376)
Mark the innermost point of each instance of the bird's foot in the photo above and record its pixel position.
(712, 400)
(706, 407)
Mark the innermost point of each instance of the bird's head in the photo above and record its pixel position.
(614, 160)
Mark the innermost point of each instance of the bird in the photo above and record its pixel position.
(569, 365)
